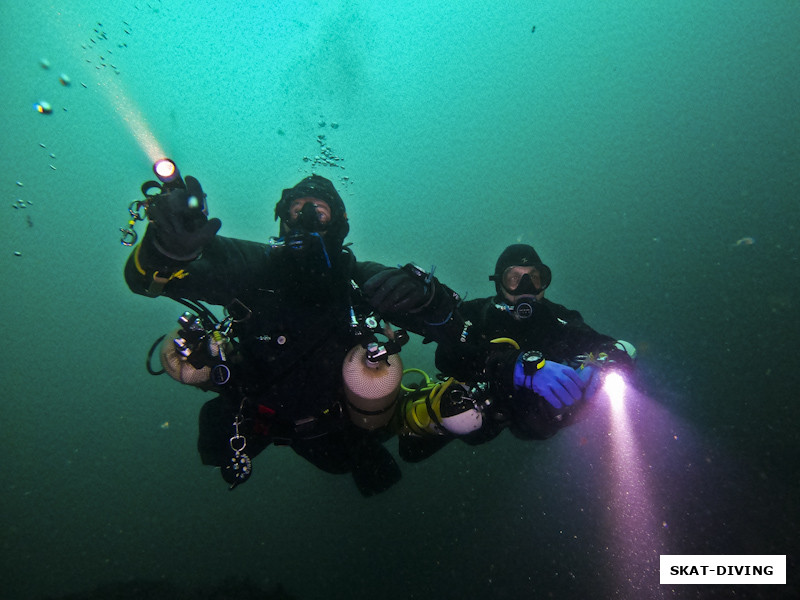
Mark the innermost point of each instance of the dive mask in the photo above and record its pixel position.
(517, 280)
(524, 285)
(313, 216)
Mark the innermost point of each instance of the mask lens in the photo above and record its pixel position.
(513, 276)
(308, 210)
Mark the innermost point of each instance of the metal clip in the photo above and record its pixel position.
(238, 442)
(138, 212)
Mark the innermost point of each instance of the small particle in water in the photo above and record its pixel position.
(17, 253)
(41, 145)
(65, 80)
(83, 85)
(334, 126)
(53, 167)
(165, 425)
(20, 184)
(43, 107)
(745, 241)
(52, 155)
(44, 63)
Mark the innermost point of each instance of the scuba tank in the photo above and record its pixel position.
(196, 354)
(372, 371)
(177, 366)
(371, 384)
(447, 408)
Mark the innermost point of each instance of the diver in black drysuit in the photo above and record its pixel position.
(292, 302)
(571, 353)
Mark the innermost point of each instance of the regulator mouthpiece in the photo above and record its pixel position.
(524, 307)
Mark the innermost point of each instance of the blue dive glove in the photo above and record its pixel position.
(558, 384)
(590, 380)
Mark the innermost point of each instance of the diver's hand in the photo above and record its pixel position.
(181, 222)
(558, 384)
(590, 380)
(396, 290)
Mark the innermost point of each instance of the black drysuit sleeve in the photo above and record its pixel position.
(226, 267)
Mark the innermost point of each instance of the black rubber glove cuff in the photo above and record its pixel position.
(499, 370)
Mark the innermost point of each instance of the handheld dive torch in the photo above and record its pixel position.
(169, 179)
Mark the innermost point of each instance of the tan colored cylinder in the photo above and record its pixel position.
(178, 367)
(371, 391)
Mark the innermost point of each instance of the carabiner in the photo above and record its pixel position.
(238, 443)
(129, 236)
(138, 212)
(138, 209)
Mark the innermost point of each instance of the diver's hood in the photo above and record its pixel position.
(519, 255)
(316, 186)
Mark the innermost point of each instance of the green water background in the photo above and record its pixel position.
(634, 144)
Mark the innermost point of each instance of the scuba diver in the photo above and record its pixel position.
(300, 360)
(529, 365)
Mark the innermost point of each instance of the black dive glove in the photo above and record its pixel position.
(411, 291)
(181, 223)
(397, 291)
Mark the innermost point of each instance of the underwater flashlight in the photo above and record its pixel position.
(615, 386)
(166, 170)
(168, 174)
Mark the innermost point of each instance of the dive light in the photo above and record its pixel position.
(169, 179)
(168, 174)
